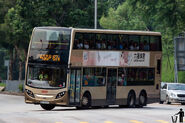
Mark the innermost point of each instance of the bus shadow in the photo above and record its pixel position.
(93, 108)
(107, 108)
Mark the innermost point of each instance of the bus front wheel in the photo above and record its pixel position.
(47, 106)
(86, 100)
(131, 100)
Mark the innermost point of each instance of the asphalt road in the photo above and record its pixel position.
(14, 110)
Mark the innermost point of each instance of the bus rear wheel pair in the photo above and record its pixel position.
(131, 99)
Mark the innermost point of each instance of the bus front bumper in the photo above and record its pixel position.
(38, 100)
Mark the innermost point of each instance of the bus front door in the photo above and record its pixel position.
(74, 88)
(111, 86)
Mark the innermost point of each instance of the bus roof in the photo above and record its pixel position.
(132, 32)
(136, 32)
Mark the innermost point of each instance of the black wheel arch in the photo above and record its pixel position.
(132, 92)
(87, 93)
(143, 91)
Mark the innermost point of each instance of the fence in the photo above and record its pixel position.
(14, 85)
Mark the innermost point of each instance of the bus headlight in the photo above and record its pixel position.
(30, 93)
(59, 95)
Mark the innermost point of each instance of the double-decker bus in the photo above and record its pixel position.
(92, 67)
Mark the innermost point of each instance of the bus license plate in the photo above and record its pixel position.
(44, 102)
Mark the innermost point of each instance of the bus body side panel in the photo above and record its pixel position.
(98, 95)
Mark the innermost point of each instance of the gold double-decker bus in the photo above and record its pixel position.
(92, 67)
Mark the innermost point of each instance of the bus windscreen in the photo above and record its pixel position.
(45, 77)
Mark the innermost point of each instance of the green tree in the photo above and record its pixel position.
(25, 15)
(153, 15)
(5, 36)
(123, 18)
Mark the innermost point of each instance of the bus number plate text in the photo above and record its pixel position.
(44, 102)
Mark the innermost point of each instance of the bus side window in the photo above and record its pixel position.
(123, 42)
(115, 42)
(88, 77)
(100, 76)
(88, 40)
(122, 77)
(150, 74)
(86, 44)
(134, 42)
(100, 41)
(140, 76)
(155, 43)
(78, 41)
(144, 43)
(91, 40)
(103, 42)
(109, 42)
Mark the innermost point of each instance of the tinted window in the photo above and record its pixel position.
(144, 43)
(123, 42)
(155, 43)
(88, 77)
(94, 76)
(134, 42)
(112, 41)
(78, 41)
(100, 41)
(122, 77)
(100, 76)
(46, 38)
(140, 76)
(91, 40)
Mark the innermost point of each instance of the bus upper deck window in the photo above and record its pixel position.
(123, 42)
(134, 42)
(100, 40)
(86, 45)
(144, 43)
(155, 43)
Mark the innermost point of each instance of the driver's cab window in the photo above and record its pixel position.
(47, 77)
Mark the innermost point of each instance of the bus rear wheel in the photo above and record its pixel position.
(131, 100)
(142, 99)
(47, 106)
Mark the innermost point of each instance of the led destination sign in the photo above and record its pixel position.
(48, 57)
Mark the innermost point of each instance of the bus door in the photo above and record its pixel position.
(74, 88)
(111, 85)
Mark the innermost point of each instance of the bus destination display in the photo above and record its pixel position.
(48, 57)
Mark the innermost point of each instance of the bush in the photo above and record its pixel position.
(21, 87)
(2, 84)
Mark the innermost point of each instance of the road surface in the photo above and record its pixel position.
(14, 110)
